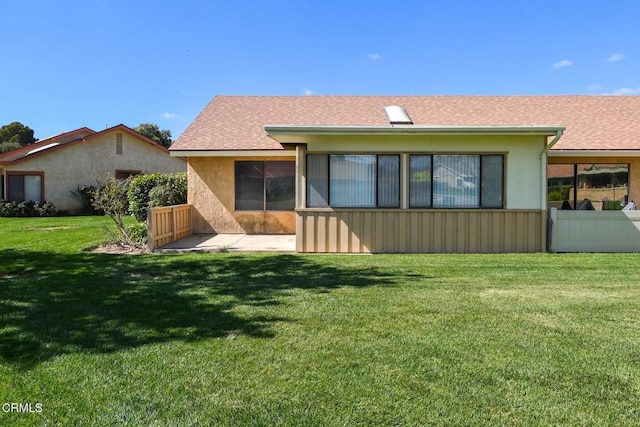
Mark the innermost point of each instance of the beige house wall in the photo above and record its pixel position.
(212, 195)
(94, 160)
(634, 169)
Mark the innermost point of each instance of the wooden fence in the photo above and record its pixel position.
(167, 224)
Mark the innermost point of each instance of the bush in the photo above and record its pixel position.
(84, 194)
(172, 191)
(138, 232)
(160, 195)
(27, 209)
(112, 199)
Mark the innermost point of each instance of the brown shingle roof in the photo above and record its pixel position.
(592, 122)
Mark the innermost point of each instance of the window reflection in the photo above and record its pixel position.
(581, 186)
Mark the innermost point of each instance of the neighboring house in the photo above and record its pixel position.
(51, 169)
(401, 173)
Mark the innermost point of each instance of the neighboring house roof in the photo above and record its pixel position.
(592, 122)
(65, 140)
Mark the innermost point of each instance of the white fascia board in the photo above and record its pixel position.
(233, 153)
(283, 133)
(594, 153)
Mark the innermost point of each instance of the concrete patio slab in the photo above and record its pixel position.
(232, 243)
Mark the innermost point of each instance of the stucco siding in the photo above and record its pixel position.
(92, 161)
(212, 195)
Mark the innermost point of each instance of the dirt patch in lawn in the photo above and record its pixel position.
(112, 248)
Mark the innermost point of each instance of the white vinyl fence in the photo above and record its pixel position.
(594, 231)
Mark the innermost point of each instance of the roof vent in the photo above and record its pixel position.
(397, 115)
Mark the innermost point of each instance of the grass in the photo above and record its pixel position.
(249, 339)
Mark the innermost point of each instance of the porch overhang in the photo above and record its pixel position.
(285, 134)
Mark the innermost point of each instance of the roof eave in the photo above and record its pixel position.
(232, 153)
(594, 153)
(289, 134)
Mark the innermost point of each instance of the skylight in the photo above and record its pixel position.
(397, 115)
(44, 147)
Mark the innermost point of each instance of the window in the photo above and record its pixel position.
(2, 197)
(456, 181)
(118, 143)
(122, 175)
(263, 185)
(420, 181)
(353, 180)
(588, 186)
(25, 186)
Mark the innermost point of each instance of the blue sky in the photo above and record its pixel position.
(97, 63)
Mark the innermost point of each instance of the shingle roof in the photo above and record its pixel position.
(592, 122)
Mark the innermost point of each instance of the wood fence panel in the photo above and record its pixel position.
(167, 224)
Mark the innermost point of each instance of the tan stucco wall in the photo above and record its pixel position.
(94, 160)
(634, 169)
(212, 194)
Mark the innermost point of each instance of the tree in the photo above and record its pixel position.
(8, 146)
(152, 131)
(18, 133)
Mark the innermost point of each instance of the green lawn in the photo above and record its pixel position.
(230, 339)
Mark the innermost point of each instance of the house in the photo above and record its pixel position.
(51, 169)
(403, 173)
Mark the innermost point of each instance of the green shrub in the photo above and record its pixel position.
(85, 194)
(45, 209)
(160, 195)
(173, 191)
(138, 232)
(27, 209)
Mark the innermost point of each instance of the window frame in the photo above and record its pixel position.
(376, 184)
(265, 177)
(23, 174)
(480, 156)
(130, 173)
(578, 185)
(404, 180)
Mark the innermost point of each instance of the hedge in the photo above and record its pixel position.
(27, 209)
(172, 191)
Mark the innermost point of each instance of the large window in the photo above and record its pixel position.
(264, 185)
(353, 180)
(588, 186)
(25, 186)
(456, 181)
(435, 181)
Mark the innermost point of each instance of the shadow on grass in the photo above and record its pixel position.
(56, 303)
